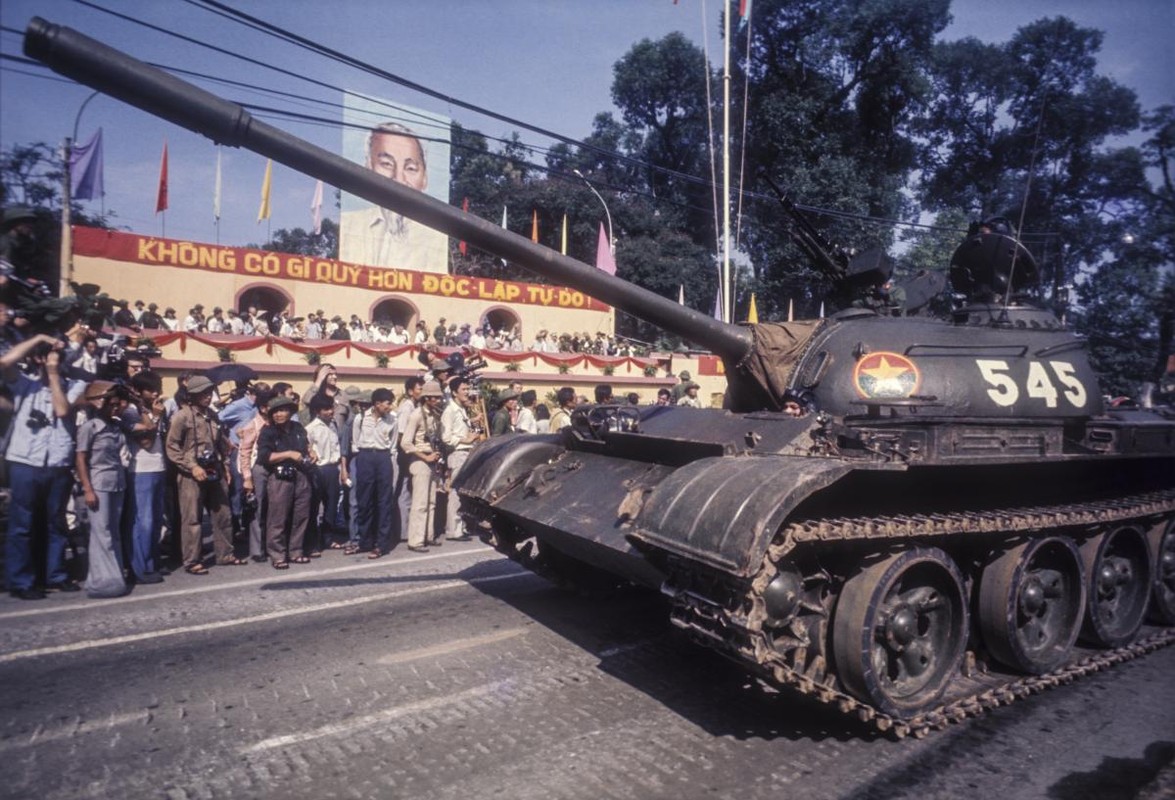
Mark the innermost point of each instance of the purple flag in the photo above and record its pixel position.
(605, 261)
(85, 169)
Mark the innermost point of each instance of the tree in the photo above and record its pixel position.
(834, 90)
(31, 175)
(303, 242)
(660, 89)
(1128, 301)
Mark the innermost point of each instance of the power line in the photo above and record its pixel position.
(284, 35)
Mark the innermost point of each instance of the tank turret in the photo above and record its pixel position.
(910, 519)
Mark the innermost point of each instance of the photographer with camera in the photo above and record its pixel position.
(282, 448)
(422, 444)
(197, 445)
(40, 456)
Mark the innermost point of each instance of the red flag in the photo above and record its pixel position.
(604, 258)
(534, 226)
(161, 199)
(461, 245)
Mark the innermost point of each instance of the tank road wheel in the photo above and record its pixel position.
(1031, 601)
(1163, 555)
(900, 629)
(1118, 585)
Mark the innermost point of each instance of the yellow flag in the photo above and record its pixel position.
(263, 212)
(564, 250)
(753, 313)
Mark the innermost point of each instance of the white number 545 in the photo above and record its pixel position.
(1039, 385)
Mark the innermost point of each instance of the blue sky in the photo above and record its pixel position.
(546, 62)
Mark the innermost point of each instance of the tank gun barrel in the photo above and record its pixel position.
(117, 74)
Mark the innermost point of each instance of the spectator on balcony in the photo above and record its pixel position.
(151, 319)
(124, 317)
(194, 320)
(398, 336)
(234, 324)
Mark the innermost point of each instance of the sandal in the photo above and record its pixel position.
(316, 554)
(375, 554)
(233, 562)
(337, 546)
(351, 550)
(196, 569)
(281, 564)
(300, 560)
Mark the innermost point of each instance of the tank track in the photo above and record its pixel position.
(731, 617)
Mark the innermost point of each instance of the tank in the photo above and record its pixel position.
(908, 518)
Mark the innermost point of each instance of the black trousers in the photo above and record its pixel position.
(375, 499)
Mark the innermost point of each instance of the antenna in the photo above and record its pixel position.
(1024, 204)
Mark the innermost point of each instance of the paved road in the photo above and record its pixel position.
(455, 675)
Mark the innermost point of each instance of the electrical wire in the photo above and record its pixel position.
(585, 146)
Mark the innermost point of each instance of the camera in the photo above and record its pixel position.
(285, 471)
(37, 419)
(209, 461)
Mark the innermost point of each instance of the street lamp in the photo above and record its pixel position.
(611, 238)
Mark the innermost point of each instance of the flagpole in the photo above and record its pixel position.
(727, 307)
(65, 265)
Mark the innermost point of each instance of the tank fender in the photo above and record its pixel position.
(498, 464)
(723, 512)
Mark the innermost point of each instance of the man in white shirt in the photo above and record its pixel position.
(194, 319)
(398, 335)
(477, 340)
(235, 326)
(413, 387)
(216, 321)
(373, 446)
(459, 437)
(544, 344)
(324, 446)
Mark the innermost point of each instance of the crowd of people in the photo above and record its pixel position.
(92, 448)
(279, 476)
(318, 325)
